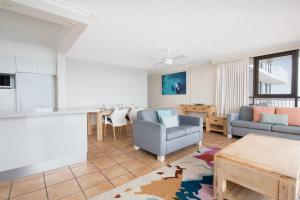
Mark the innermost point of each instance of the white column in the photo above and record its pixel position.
(61, 81)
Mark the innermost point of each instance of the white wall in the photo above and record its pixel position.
(200, 87)
(91, 85)
(10, 47)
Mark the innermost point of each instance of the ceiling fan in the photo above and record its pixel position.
(170, 60)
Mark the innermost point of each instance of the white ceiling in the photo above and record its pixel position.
(23, 28)
(133, 32)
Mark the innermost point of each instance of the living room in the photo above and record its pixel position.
(149, 100)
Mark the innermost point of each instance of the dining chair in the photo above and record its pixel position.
(133, 113)
(116, 119)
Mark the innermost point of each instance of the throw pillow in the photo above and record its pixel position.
(163, 113)
(274, 119)
(293, 115)
(257, 111)
(170, 121)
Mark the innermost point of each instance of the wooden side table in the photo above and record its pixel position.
(217, 124)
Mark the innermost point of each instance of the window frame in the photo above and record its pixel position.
(294, 81)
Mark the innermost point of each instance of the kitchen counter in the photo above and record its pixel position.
(40, 141)
(6, 115)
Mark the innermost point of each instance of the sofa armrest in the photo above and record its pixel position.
(150, 136)
(230, 118)
(191, 120)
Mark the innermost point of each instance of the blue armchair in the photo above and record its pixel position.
(154, 137)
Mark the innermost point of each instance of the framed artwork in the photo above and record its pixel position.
(173, 84)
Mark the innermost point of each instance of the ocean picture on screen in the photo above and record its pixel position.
(173, 84)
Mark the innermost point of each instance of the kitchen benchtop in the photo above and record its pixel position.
(6, 115)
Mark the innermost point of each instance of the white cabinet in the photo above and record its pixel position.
(25, 64)
(7, 64)
(34, 92)
(8, 100)
(47, 67)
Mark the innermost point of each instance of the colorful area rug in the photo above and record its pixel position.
(190, 178)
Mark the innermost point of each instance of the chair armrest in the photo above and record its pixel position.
(150, 136)
(230, 118)
(191, 120)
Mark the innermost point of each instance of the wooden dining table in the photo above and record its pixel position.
(99, 122)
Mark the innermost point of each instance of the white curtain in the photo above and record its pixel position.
(232, 86)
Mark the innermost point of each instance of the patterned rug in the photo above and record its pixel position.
(189, 178)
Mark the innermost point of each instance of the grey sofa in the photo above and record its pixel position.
(241, 123)
(154, 137)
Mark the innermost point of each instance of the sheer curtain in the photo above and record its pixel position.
(232, 86)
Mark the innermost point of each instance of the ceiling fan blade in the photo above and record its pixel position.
(179, 57)
(159, 63)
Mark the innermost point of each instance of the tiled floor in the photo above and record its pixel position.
(110, 164)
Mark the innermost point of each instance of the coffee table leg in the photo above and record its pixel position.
(288, 190)
(219, 181)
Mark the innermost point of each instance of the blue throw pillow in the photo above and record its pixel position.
(163, 113)
(274, 119)
(170, 121)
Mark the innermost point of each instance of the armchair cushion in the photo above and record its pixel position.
(173, 133)
(170, 121)
(190, 120)
(190, 128)
(163, 113)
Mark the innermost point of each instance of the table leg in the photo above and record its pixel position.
(287, 190)
(220, 182)
(99, 126)
(89, 123)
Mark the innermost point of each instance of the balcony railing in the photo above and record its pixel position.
(277, 102)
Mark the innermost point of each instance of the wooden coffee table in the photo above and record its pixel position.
(258, 167)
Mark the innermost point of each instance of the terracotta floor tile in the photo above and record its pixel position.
(114, 171)
(76, 196)
(80, 164)
(148, 159)
(122, 179)
(5, 183)
(84, 169)
(113, 153)
(91, 180)
(122, 158)
(127, 149)
(26, 178)
(98, 189)
(58, 177)
(105, 163)
(133, 165)
(36, 195)
(55, 170)
(4, 192)
(142, 171)
(62, 190)
(157, 165)
(24, 187)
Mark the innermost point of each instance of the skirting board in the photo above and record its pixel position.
(45, 166)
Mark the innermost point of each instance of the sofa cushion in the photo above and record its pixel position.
(293, 113)
(274, 119)
(173, 133)
(147, 115)
(170, 121)
(258, 110)
(190, 128)
(286, 129)
(252, 125)
(163, 113)
(246, 113)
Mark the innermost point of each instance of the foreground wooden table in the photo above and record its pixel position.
(99, 120)
(258, 167)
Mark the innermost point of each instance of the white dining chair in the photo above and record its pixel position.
(116, 119)
(133, 114)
